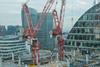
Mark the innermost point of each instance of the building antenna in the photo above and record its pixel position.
(72, 18)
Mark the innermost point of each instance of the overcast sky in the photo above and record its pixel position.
(10, 10)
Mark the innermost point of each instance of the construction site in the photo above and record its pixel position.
(41, 41)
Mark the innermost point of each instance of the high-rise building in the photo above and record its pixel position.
(34, 15)
(2, 30)
(43, 34)
(12, 30)
(86, 31)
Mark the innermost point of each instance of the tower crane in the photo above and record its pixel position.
(57, 31)
(30, 32)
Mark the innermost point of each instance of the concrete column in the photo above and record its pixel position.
(20, 35)
(13, 57)
(75, 44)
(0, 62)
(73, 37)
(68, 63)
(78, 50)
(87, 58)
(57, 61)
(81, 44)
(21, 30)
(74, 53)
(57, 57)
(27, 44)
(19, 61)
(71, 43)
(37, 60)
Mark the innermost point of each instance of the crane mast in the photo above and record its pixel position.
(61, 39)
(30, 32)
(57, 27)
(57, 31)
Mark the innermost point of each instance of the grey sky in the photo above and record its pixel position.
(10, 10)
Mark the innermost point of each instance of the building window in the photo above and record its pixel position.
(85, 17)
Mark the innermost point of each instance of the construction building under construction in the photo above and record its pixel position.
(41, 42)
(84, 37)
(86, 31)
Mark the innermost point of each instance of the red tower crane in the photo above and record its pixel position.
(57, 31)
(30, 32)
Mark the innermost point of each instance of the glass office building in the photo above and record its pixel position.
(2, 30)
(86, 31)
(34, 15)
(13, 30)
(43, 34)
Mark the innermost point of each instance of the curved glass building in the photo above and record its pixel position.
(11, 45)
(86, 31)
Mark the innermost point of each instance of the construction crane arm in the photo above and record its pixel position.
(57, 31)
(62, 12)
(29, 30)
(58, 22)
(32, 31)
(46, 10)
(57, 28)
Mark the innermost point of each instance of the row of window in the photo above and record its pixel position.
(85, 37)
(82, 30)
(73, 43)
(91, 17)
(11, 45)
(5, 42)
(7, 55)
(87, 23)
(12, 48)
(81, 37)
(16, 50)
